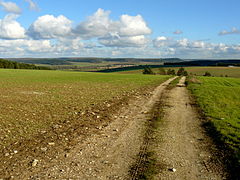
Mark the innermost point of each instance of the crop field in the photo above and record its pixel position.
(32, 101)
(219, 98)
(199, 71)
(215, 71)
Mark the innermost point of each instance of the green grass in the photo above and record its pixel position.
(173, 83)
(32, 100)
(215, 71)
(219, 98)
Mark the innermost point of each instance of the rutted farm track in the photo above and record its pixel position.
(118, 150)
(109, 154)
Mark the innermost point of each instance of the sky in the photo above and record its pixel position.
(187, 29)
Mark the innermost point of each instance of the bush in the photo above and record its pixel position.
(182, 72)
(185, 73)
(171, 72)
(147, 70)
(207, 74)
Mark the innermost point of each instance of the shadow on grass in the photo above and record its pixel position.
(229, 157)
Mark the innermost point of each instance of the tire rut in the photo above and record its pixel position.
(110, 153)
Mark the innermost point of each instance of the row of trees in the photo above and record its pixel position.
(162, 71)
(16, 65)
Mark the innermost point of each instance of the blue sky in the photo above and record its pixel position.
(127, 28)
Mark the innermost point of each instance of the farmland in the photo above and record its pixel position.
(219, 99)
(57, 124)
(33, 101)
(199, 71)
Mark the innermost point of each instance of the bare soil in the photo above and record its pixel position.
(112, 146)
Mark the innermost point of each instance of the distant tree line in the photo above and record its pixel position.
(161, 71)
(16, 65)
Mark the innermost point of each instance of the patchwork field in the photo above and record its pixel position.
(199, 71)
(219, 98)
(33, 101)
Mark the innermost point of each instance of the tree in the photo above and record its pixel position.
(181, 72)
(147, 70)
(171, 72)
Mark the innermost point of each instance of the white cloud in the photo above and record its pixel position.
(133, 26)
(99, 35)
(184, 48)
(10, 28)
(232, 31)
(48, 27)
(24, 47)
(163, 41)
(128, 31)
(32, 5)
(97, 25)
(11, 7)
(128, 41)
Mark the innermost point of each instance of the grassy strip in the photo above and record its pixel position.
(173, 83)
(219, 100)
(146, 165)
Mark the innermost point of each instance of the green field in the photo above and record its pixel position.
(199, 71)
(33, 101)
(219, 98)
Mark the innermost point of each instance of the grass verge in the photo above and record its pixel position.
(219, 101)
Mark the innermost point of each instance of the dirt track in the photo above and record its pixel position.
(183, 144)
(111, 152)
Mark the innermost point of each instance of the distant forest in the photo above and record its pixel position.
(16, 65)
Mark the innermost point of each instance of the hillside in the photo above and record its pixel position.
(16, 65)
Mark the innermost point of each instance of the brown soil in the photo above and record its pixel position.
(107, 149)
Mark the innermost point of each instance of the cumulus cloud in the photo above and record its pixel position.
(10, 7)
(127, 41)
(49, 27)
(163, 41)
(10, 28)
(133, 26)
(177, 32)
(97, 25)
(99, 35)
(127, 31)
(232, 31)
(25, 47)
(32, 5)
(47, 48)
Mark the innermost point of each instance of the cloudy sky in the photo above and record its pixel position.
(126, 28)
